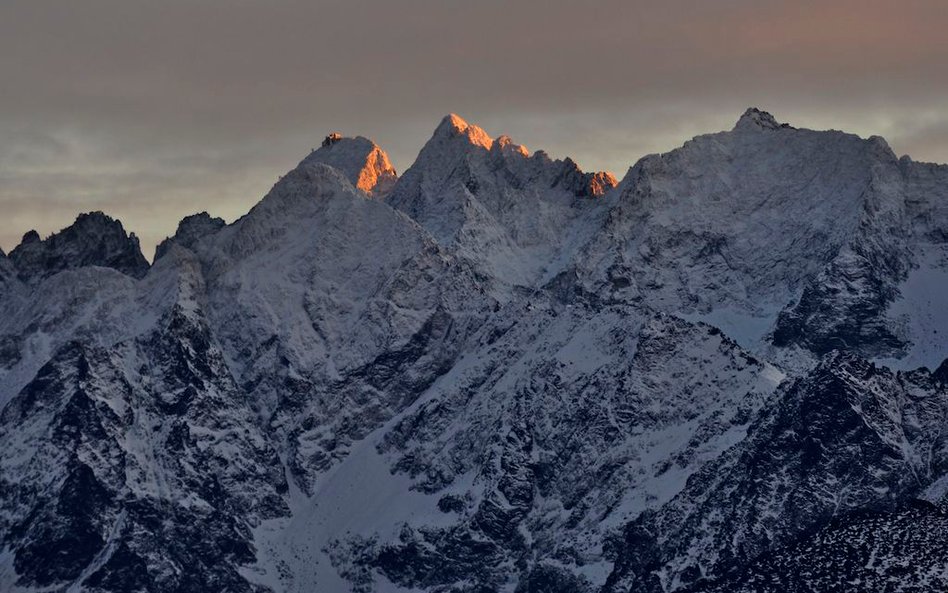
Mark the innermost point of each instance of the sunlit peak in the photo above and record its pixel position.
(458, 127)
(507, 144)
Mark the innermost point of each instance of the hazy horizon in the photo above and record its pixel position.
(150, 112)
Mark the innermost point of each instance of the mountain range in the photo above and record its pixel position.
(494, 373)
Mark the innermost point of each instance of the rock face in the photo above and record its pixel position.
(510, 214)
(528, 464)
(870, 549)
(128, 480)
(93, 240)
(191, 230)
(726, 372)
(847, 437)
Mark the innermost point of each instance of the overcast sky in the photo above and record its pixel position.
(151, 110)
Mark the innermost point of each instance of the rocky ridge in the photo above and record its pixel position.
(93, 240)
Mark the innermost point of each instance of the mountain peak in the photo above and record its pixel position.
(601, 182)
(191, 229)
(332, 138)
(506, 144)
(95, 239)
(453, 126)
(755, 118)
(30, 236)
(362, 161)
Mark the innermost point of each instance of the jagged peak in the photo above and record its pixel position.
(201, 220)
(542, 156)
(190, 230)
(881, 147)
(94, 239)
(456, 141)
(88, 223)
(360, 159)
(601, 182)
(97, 218)
(591, 184)
(453, 126)
(756, 119)
(506, 145)
(30, 236)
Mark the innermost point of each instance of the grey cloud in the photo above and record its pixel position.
(153, 110)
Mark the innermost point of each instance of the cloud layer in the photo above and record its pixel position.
(154, 110)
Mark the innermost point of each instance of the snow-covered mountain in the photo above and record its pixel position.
(847, 437)
(514, 215)
(496, 372)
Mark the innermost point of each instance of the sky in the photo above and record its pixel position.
(150, 111)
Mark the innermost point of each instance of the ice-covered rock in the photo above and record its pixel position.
(901, 550)
(136, 467)
(592, 417)
(849, 436)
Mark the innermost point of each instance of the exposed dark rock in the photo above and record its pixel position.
(93, 240)
(902, 550)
